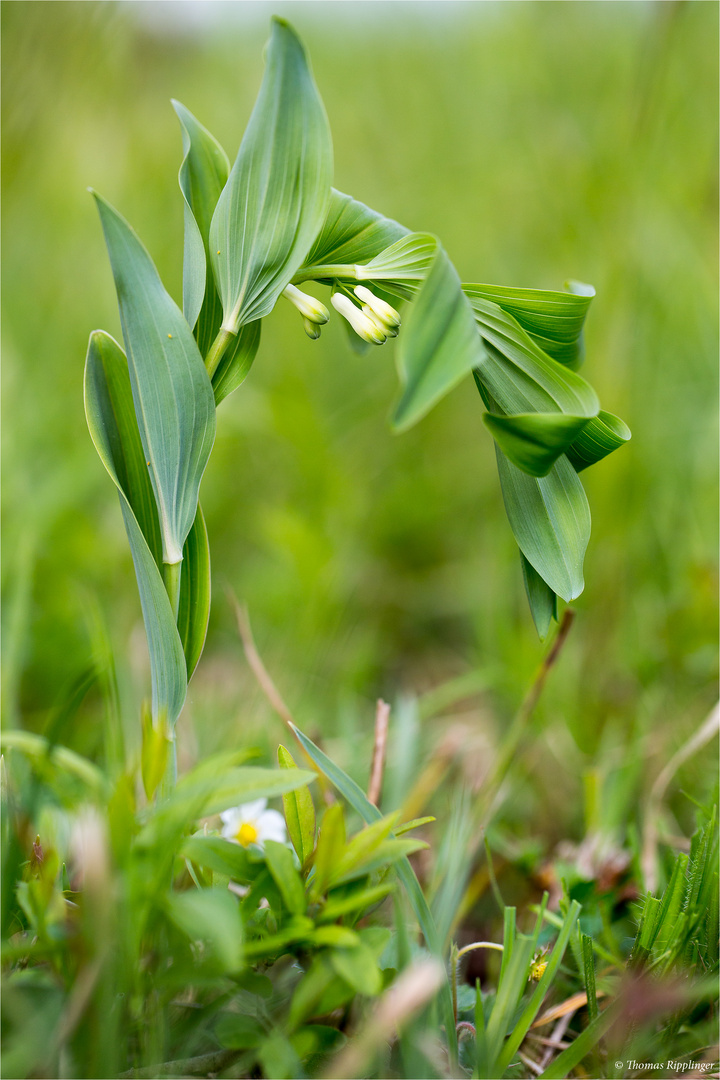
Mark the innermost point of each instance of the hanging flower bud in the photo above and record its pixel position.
(364, 325)
(311, 309)
(311, 329)
(383, 314)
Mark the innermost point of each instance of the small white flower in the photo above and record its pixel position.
(365, 326)
(253, 824)
(310, 308)
(384, 315)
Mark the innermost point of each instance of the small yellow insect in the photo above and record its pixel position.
(538, 965)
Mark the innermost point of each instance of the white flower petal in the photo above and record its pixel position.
(253, 810)
(271, 826)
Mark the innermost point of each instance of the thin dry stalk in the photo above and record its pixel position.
(382, 719)
(570, 1005)
(557, 1035)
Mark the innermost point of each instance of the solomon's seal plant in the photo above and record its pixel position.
(256, 233)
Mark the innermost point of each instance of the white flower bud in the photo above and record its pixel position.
(310, 308)
(385, 315)
(363, 325)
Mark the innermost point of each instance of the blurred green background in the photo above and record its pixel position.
(540, 141)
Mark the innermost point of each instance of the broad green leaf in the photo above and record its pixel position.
(358, 967)
(173, 397)
(409, 259)
(111, 421)
(541, 598)
(439, 343)
(534, 441)
(517, 374)
(278, 192)
(237, 1031)
(352, 233)
(554, 320)
(340, 936)
(238, 786)
(384, 855)
(345, 902)
(280, 863)
(356, 797)
(550, 519)
(203, 174)
(222, 856)
(194, 608)
(234, 367)
(299, 812)
(603, 434)
(211, 916)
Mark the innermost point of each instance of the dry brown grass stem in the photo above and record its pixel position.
(382, 719)
(570, 1005)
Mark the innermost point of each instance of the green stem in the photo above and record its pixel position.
(171, 578)
(217, 350)
(326, 270)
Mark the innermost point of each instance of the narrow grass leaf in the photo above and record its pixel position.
(203, 174)
(439, 345)
(278, 192)
(173, 397)
(567, 1059)
(110, 418)
(550, 519)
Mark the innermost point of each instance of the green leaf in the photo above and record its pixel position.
(342, 903)
(602, 434)
(154, 754)
(352, 233)
(415, 823)
(358, 967)
(278, 192)
(356, 797)
(408, 260)
(280, 864)
(195, 588)
(339, 936)
(235, 364)
(534, 441)
(221, 856)
(550, 519)
(384, 855)
(238, 1032)
(211, 916)
(364, 843)
(439, 344)
(173, 397)
(565, 1062)
(329, 850)
(113, 429)
(541, 598)
(299, 813)
(554, 320)
(203, 174)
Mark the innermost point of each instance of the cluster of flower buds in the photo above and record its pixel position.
(375, 322)
(314, 314)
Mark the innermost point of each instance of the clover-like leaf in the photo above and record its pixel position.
(277, 195)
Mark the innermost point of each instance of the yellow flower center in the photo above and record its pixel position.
(247, 834)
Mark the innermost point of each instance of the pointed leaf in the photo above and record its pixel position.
(352, 233)
(195, 588)
(534, 441)
(278, 192)
(541, 598)
(439, 344)
(203, 174)
(407, 260)
(554, 320)
(329, 849)
(235, 365)
(299, 812)
(173, 397)
(603, 434)
(111, 420)
(280, 863)
(550, 519)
